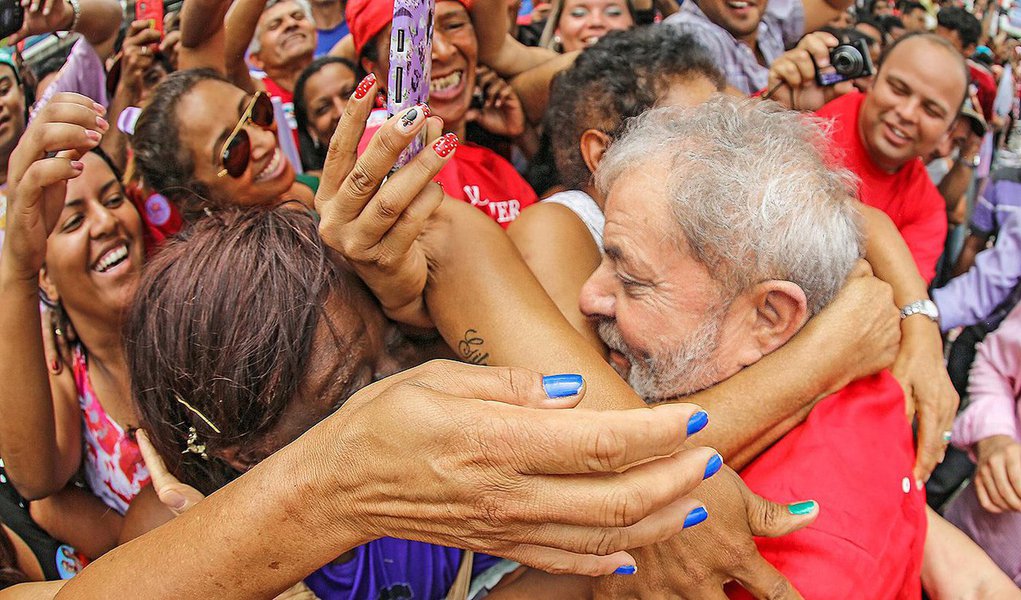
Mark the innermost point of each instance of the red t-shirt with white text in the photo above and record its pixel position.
(907, 196)
(475, 175)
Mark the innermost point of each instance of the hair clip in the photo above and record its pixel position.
(196, 411)
(193, 446)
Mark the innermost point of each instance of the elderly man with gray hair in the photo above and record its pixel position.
(726, 230)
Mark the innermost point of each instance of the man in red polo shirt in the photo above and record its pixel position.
(881, 136)
(705, 273)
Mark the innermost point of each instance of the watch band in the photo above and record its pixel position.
(921, 307)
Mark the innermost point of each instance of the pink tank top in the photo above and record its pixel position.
(114, 467)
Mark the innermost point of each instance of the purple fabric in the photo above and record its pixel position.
(391, 569)
(1001, 197)
(83, 73)
(974, 297)
(781, 27)
(994, 389)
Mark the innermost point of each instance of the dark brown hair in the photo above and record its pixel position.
(220, 334)
(10, 574)
(164, 163)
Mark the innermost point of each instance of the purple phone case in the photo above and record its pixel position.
(410, 62)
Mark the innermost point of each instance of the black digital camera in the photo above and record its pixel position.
(847, 61)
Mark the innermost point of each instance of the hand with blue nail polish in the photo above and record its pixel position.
(717, 545)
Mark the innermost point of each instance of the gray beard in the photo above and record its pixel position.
(689, 366)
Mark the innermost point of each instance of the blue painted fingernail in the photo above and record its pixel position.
(713, 466)
(697, 422)
(626, 570)
(562, 386)
(695, 517)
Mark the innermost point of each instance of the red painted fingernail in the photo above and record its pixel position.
(425, 109)
(54, 366)
(445, 145)
(363, 87)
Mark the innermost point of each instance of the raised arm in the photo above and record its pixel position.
(40, 435)
(497, 49)
(241, 22)
(203, 39)
(98, 21)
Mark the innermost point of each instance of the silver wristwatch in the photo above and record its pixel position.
(921, 307)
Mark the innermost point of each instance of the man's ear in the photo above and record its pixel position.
(593, 146)
(256, 62)
(781, 310)
(47, 286)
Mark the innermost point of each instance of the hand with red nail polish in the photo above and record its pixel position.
(375, 225)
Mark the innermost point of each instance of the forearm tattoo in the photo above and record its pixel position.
(470, 348)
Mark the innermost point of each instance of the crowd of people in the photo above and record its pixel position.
(699, 299)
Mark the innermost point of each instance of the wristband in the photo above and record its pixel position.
(76, 13)
(921, 307)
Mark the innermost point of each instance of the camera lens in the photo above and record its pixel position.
(847, 61)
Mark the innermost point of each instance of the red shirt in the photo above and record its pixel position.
(476, 175)
(908, 196)
(986, 84)
(854, 455)
(486, 180)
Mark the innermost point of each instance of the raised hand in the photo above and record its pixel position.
(374, 224)
(45, 158)
(792, 76)
(501, 112)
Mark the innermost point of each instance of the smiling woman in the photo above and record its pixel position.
(577, 24)
(193, 152)
(85, 259)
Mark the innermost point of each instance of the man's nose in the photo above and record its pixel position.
(597, 298)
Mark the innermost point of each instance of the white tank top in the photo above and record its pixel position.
(587, 210)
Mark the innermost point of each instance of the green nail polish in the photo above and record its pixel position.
(802, 508)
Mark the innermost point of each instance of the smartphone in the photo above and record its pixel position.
(152, 11)
(12, 17)
(410, 63)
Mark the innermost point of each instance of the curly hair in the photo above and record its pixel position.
(623, 75)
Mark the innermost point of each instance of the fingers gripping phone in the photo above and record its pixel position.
(152, 11)
(410, 63)
(12, 17)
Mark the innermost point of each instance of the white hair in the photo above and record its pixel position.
(752, 190)
(254, 46)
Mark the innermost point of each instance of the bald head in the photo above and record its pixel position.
(913, 102)
(930, 44)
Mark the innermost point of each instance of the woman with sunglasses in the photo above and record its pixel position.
(81, 248)
(203, 156)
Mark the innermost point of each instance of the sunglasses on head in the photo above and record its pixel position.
(237, 150)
